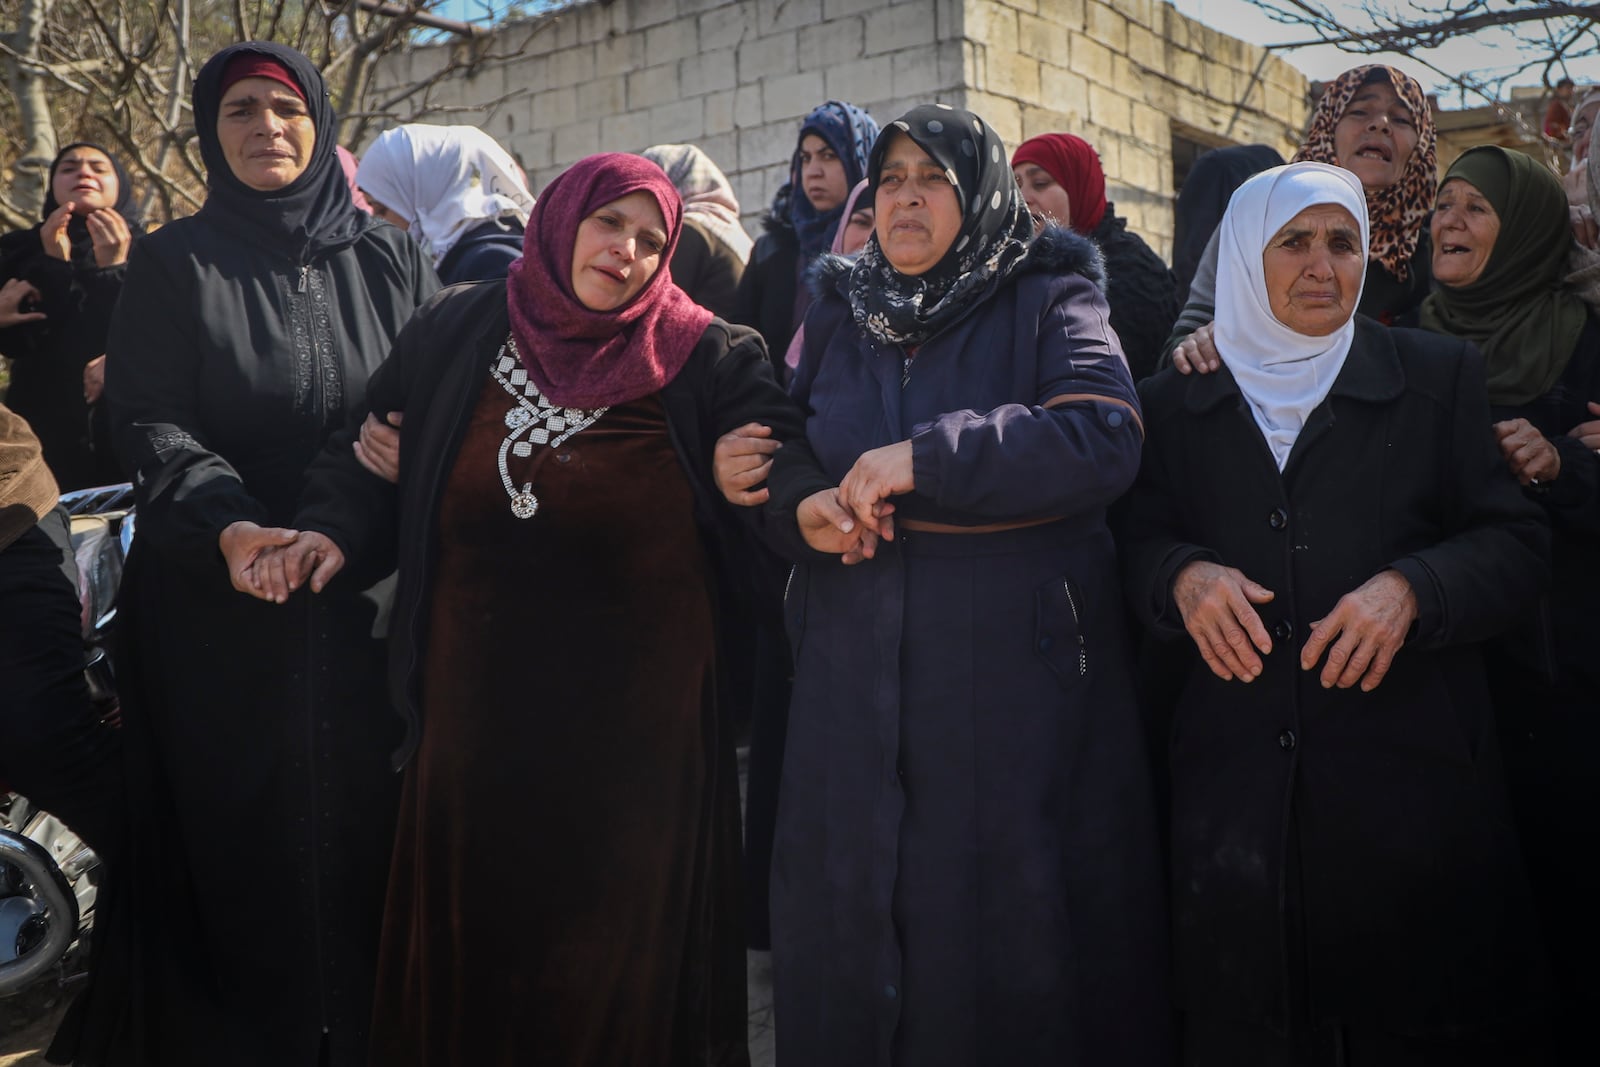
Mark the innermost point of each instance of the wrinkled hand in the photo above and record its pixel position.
(378, 446)
(242, 544)
(877, 475)
(1584, 229)
(1587, 434)
(283, 569)
(1532, 458)
(53, 234)
(828, 526)
(94, 379)
(13, 295)
(1197, 353)
(1215, 602)
(109, 234)
(1371, 624)
(743, 458)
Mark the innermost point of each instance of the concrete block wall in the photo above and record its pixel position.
(733, 76)
(736, 76)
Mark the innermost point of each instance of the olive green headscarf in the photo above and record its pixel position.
(1518, 312)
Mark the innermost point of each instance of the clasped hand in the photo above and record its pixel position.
(269, 563)
(108, 234)
(851, 520)
(1365, 628)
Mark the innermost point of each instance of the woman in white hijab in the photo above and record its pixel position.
(714, 246)
(455, 190)
(1328, 522)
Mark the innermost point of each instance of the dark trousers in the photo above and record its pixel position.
(53, 748)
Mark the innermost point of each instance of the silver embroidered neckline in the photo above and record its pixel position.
(545, 424)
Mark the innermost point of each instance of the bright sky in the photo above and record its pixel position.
(1490, 55)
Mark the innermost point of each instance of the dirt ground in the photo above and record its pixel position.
(27, 1022)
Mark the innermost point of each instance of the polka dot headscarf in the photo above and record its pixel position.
(996, 230)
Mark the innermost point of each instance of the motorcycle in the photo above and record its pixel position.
(48, 877)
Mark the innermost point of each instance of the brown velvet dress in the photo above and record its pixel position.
(549, 902)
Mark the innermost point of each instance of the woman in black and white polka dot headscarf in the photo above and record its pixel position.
(907, 309)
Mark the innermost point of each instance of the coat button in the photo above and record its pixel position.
(1283, 629)
(1278, 519)
(1113, 419)
(890, 991)
(1286, 740)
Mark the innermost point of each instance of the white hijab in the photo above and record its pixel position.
(443, 180)
(707, 195)
(1283, 375)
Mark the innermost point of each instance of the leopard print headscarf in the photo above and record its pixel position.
(1397, 213)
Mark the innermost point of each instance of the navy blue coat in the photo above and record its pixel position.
(966, 868)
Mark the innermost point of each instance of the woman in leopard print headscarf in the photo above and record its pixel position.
(1373, 121)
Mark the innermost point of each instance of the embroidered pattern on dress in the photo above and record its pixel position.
(171, 441)
(329, 372)
(300, 335)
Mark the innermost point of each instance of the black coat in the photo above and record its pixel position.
(1141, 291)
(258, 734)
(707, 268)
(485, 251)
(439, 364)
(1416, 913)
(48, 356)
(768, 291)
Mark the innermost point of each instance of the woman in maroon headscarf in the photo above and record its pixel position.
(565, 873)
(1062, 181)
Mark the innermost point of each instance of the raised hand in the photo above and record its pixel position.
(109, 234)
(53, 234)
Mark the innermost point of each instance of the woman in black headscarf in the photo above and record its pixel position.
(259, 736)
(61, 279)
(965, 869)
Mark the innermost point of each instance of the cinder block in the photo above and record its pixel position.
(576, 140)
(678, 121)
(619, 54)
(1042, 39)
(728, 27)
(765, 57)
(890, 29)
(719, 111)
(1106, 26)
(768, 146)
(830, 43)
(1063, 90)
(1090, 58)
(723, 149)
(553, 107)
(915, 74)
(600, 97)
(533, 150)
(790, 95)
(645, 13)
(1109, 108)
(1010, 74)
(992, 25)
(833, 9)
(651, 86)
(747, 106)
(671, 40)
(706, 73)
(628, 132)
(1003, 115)
(1145, 48)
(861, 81)
(774, 15)
(572, 66)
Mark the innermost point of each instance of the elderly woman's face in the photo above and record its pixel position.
(1046, 198)
(918, 212)
(86, 179)
(1376, 136)
(618, 250)
(1464, 229)
(822, 175)
(266, 133)
(1313, 269)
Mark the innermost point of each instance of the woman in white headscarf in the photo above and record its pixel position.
(455, 190)
(1329, 521)
(714, 247)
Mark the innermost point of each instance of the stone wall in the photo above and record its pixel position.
(735, 76)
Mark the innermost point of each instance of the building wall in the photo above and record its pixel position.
(735, 77)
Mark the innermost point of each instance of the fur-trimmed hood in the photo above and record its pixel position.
(1055, 250)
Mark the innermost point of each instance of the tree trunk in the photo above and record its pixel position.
(26, 76)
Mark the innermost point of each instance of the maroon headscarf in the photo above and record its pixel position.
(1075, 166)
(587, 359)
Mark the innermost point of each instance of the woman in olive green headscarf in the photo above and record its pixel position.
(1501, 242)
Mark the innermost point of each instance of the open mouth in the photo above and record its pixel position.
(1376, 151)
(1454, 249)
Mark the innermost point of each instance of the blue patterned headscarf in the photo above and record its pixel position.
(850, 132)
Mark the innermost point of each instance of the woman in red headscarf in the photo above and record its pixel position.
(565, 873)
(1062, 181)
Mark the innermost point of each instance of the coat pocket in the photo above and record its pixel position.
(1058, 636)
(794, 609)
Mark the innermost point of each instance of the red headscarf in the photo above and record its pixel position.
(583, 358)
(255, 65)
(1075, 166)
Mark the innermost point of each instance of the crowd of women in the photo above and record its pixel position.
(1317, 797)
